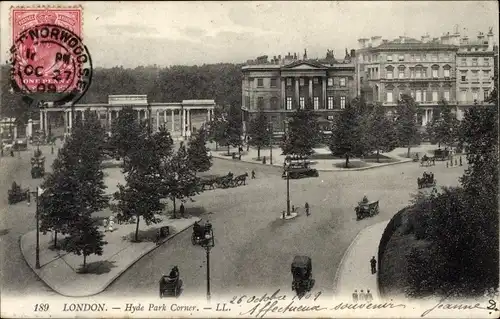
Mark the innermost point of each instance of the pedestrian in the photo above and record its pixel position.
(460, 160)
(293, 208)
(355, 295)
(368, 296)
(373, 264)
(181, 209)
(11, 153)
(253, 174)
(361, 296)
(307, 208)
(456, 162)
(447, 165)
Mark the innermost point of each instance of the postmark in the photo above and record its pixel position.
(48, 58)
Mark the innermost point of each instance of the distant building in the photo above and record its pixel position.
(450, 68)
(282, 85)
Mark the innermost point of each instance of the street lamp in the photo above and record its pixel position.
(208, 243)
(270, 143)
(287, 172)
(37, 251)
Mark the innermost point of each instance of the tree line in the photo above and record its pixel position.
(220, 82)
(153, 170)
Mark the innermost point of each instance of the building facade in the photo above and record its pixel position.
(282, 86)
(449, 68)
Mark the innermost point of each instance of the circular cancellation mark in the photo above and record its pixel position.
(50, 63)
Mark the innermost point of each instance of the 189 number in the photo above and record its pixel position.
(42, 307)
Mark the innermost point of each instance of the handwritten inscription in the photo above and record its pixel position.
(459, 306)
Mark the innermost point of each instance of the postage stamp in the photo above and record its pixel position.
(49, 60)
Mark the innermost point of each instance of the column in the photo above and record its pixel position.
(165, 118)
(183, 122)
(45, 122)
(297, 94)
(189, 121)
(83, 116)
(283, 93)
(41, 121)
(139, 116)
(311, 90)
(424, 118)
(208, 115)
(65, 121)
(173, 120)
(109, 118)
(15, 131)
(157, 120)
(70, 119)
(323, 92)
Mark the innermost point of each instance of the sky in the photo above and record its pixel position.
(130, 34)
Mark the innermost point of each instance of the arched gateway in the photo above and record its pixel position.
(181, 118)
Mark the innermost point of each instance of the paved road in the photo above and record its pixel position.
(254, 249)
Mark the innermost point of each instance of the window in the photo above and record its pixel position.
(316, 102)
(401, 74)
(401, 58)
(434, 57)
(389, 72)
(446, 95)
(474, 62)
(475, 94)
(434, 72)
(288, 81)
(342, 81)
(464, 78)
(446, 73)
(260, 83)
(389, 58)
(274, 103)
(424, 57)
(418, 96)
(434, 96)
(479, 61)
(486, 62)
(302, 102)
(463, 95)
(486, 93)
(463, 62)
(417, 57)
(260, 102)
(486, 74)
(418, 73)
(330, 103)
(475, 74)
(389, 97)
(330, 81)
(342, 102)
(273, 83)
(301, 81)
(316, 81)
(360, 79)
(288, 103)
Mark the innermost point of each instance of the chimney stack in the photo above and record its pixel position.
(362, 43)
(425, 38)
(353, 54)
(376, 41)
(490, 39)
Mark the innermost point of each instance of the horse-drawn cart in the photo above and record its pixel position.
(17, 194)
(37, 166)
(170, 286)
(366, 208)
(426, 181)
(302, 275)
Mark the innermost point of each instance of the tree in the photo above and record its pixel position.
(379, 133)
(443, 128)
(85, 238)
(76, 187)
(141, 195)
(198, 152)
(259, 132)
(179, 181)
(233, 128)
(125, 132)
(347, 134)
(406, 124)
(303, 133)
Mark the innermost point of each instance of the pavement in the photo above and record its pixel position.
(250, 156)
(59, 270)
(354, 272)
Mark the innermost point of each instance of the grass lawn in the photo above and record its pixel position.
(330, 156)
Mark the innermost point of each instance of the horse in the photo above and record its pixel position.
(241, 179)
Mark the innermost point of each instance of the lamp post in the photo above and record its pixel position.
(287, 189)
(271, 143)
(208, 243)
(37, 250)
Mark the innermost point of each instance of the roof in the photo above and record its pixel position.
(198, 102)
(305, 62)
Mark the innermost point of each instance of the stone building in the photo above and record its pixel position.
(281, 85)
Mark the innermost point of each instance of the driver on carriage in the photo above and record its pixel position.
(197, 229)
(174, 273)
(364, 201)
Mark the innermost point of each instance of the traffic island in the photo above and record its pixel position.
(63, 272)
(292, 215)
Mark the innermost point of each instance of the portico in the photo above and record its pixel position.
(179, 118)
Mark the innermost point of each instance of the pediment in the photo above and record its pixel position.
(302, 65)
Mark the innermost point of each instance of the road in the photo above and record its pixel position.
(253, 248)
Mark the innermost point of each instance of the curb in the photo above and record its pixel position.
(342, 261)
(319, 169)
(109, 282)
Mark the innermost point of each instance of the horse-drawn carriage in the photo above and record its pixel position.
(427, 180)
(302, 275)
(17, 194)
(441, 155)
(298, 167)
(170, 286)
(37, 165)
(202, 233)
(427, 161)
(225, 181)
(366, 208)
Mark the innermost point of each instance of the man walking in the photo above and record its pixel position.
(307, 208)
(181, 209)
(355, 296)
(373, 264)
(253, 174)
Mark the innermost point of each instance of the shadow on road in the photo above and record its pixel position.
(98, 267)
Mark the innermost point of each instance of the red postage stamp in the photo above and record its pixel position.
(48, 55)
